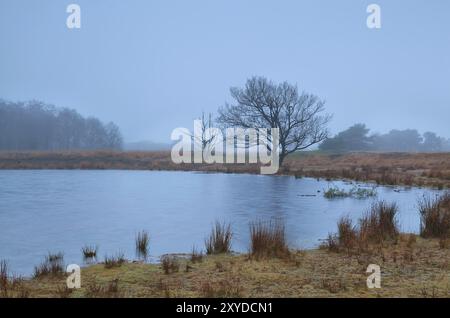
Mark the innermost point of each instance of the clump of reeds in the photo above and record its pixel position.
(142, 241)
(169, 264)
(52, 265)
(379, 224)
(196, 256)
(3, 276)
(435, 216)
(114, 261)
(89, 252)
(11, 286)
(347, 233)
(268, 239)
(219, 240)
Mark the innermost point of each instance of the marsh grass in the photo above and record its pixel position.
(169, 264)
(225, 288)
(4, 276)
(378, 225)
(355, 192)
(268, 239)
(347, 233)
(435, 216)
(89, 252)
(219, 240)
(196, 256)
(108, 290)
(142, 241)
(11, 286)
(114, 261)
(52, 265)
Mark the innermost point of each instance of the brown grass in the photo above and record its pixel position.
(89, 252)
(219, 241)
(52, 265)
(435, 216)
(420, 169)
(408, 270)
(268, 239)
(141, 242)
(378, 225)
(196, 256)
(170, 264)
(114, 261)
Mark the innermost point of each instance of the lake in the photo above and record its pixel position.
(45, 211)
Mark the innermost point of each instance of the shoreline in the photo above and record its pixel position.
(403, 169)
(411, 267)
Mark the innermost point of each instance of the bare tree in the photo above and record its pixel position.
(264, 104)
(205, 137)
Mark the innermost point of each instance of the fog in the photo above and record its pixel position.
(153, 66)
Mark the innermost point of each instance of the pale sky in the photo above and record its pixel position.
(152, 66)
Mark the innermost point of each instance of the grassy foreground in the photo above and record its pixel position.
(411, 267)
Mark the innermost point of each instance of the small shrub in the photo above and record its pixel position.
(142, 241)
(114, 261)
(435, 216)
(52, 265)
(219, 240)
(268, 239)
(169, 264)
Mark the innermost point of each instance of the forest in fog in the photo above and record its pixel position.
(357, 138)
(34, 125)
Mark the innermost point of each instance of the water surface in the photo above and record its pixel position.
(45, 211)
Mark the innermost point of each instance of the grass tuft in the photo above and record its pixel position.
(169, 264)
(268, 239)
(219, 240)
(114, 261)
(142, 242)
(52, 265)
(378, 225)
(435, 216)
(89, 252)
(196, 256)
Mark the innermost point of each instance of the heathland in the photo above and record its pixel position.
(411, 265)
(410, 169)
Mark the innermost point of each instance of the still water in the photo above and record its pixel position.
(45, 211)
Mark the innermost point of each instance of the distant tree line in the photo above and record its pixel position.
(34, 125)
(357, 138)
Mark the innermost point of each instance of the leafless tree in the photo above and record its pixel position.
(264, 104)
(206, 137)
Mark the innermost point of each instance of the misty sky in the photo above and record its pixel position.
(152, 66)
